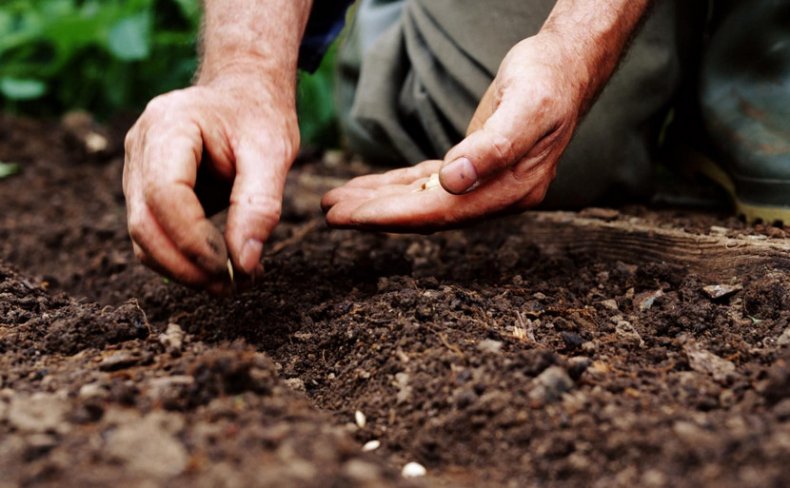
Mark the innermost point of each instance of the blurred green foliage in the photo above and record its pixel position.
(107, 56)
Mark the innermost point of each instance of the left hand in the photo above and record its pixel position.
(505, 164)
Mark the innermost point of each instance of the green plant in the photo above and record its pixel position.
(317, 111)
(106, 56)
(8, 169)
(100, 55)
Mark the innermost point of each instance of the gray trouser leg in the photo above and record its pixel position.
(412, 73)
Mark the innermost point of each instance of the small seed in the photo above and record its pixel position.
(431, 183)
(360, 419)
(371, 446)
(230, 271)
(414, 470)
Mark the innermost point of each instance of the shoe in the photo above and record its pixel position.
(745, 97)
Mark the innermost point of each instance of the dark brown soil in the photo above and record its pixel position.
(468, 351)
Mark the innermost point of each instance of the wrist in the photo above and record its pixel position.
(249, 73)
(592, 36)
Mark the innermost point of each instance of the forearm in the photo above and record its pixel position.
(247, 36)
(597, 33)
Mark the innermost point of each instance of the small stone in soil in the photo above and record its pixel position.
(550, 385)
(93, 390)
(645, 301)
(716, 292)
(172, 339)
(363, 472)
(605, 214)
(148, 448)
(489, 345)
(782, 409)
(578, 365)
(119, 360)
(41, 412)
(703, 361)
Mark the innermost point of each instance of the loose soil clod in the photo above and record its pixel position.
(485, 356)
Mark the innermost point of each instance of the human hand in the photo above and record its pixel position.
(505, 164)
(239, 128)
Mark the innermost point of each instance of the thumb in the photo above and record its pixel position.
(501, 142)
(255, 204)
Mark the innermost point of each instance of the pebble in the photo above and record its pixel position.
(296, 384)
(782, 409)
(404, 389)
(578, 365)
(605, 214)
(362, 471)
(716, 292)
(93, 390)
(703, 361)
(645, 301)
(119, 360)
(628, 334)
(550, 385)
(489, 345)
(610, 304)
(160, 387)
(173, 339)
(784, 339)
(413, 470)
(148, 448)
(371, 446)
(360, 419)
(41, 412)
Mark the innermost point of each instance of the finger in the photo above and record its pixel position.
(502, 141)
(343, 206)
(397, 176)
(157, 251)
(171, 170)
(255, 202)
(345, 193)
(432, 210)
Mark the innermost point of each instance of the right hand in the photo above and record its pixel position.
(244, 130)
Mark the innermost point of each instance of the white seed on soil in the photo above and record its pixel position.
(413, 470)
(360, 419)
(371, 446)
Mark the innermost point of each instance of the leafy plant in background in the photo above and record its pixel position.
(100, 55)
(8, 169)
(107, 56)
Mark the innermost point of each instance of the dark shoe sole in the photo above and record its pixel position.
(752, 212)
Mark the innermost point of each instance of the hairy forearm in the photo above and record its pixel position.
(252, 36)
(597, 33)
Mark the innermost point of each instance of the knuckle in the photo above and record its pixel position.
(503, 148)
(264, 207)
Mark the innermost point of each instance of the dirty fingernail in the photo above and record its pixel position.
(458, 176)
(250, 255)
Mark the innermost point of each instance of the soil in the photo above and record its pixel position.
(468, 352)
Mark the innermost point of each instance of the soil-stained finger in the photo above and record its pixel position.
(159, 253)
(178, 212)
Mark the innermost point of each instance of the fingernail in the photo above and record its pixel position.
(458, 176)
(250, 255)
